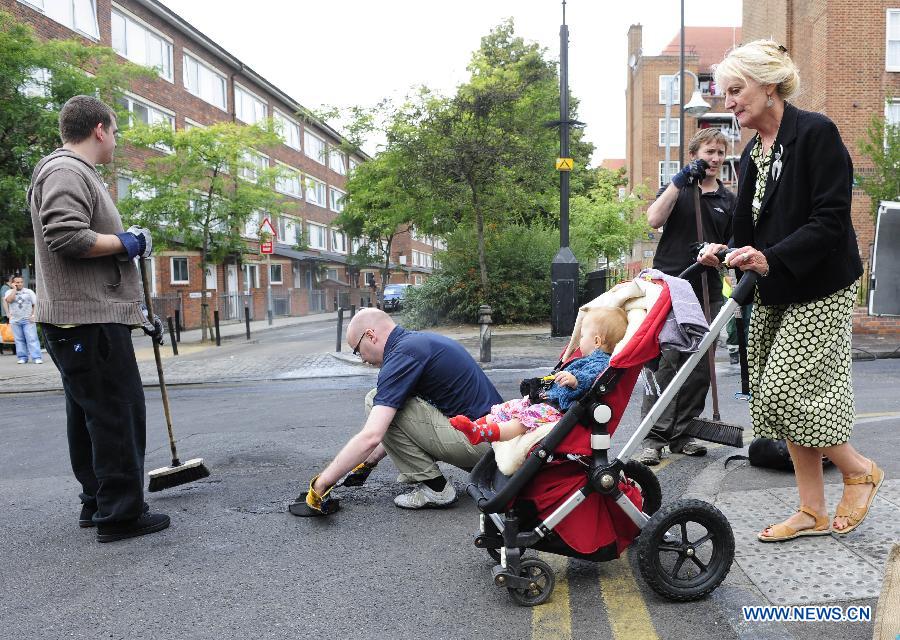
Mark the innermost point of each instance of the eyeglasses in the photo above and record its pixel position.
(356, 348)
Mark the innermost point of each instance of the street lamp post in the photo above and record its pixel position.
(695, 108)
(564, 268)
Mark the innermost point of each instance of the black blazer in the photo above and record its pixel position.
(804, 226)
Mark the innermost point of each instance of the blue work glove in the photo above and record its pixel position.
(153, 327)
(693, 171)
(137, 242)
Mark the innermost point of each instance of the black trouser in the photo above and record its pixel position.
(687, 404)
(106, 415)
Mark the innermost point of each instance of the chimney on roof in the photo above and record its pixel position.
(635, 41)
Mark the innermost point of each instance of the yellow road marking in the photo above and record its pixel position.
(625, 606)
(553, 619)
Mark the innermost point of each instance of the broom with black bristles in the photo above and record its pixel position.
(180, 472)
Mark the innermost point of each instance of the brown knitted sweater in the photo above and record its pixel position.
(70, 205)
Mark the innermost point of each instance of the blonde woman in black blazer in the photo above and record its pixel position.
(792, 226)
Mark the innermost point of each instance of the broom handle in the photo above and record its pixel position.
(711, 354)
(159, 369)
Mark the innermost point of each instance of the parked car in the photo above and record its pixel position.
(393, 296)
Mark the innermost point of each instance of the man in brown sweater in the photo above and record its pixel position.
(90, 298)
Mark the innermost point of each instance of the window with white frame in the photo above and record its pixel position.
(203, 81)
(251, 277)
(37, 85)
(290, 130)
(179, 268)
(353, 164)
(191, 124)
(336, 199)
(418, 279)
(288, 230)
(664, 87)
(140, 43)
(664, 178)
(891, 117)
(314, 147)
(125, 189)
(358, 243)
(288, 181)
(338, 241)
(337, 161)
(315, 192)
(331, 274)
(276, 274)
(892, 48)
(248, 107)
(251, 227)
(316, 235)
(78, 15)
(142, 112)
(674, 127)
(253, 164)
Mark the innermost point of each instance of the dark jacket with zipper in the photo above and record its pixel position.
(804, 227)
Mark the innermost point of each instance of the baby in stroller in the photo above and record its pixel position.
(601, 330)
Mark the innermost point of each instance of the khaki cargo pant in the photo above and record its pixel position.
(420, 436)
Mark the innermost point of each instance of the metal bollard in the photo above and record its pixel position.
(484, 319)
(216, 323)
(172, 335)
(178, 325)
(340, 329)
(352, 310)
(247, 320)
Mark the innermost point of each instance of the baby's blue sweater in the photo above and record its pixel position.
(585, 370)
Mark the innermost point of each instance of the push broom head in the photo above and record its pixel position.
(168, 477)
(716, 431)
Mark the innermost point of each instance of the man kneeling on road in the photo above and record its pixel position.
(424, 378)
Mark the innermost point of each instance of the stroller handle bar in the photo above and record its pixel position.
(742, 292)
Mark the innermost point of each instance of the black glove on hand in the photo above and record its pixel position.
(137, 242)
(692, 172)
(152, 327)
(357, 476)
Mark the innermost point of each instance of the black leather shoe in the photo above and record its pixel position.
(85, 518)
(147, 523)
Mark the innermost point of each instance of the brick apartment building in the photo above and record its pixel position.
(645, 111)
(198, 84)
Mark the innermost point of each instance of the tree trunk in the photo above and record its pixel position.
(205, 327)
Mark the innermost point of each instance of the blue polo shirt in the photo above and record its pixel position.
(438, 370)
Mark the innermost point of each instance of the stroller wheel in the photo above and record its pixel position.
(542, 582)
(641, 475)
(685, 550)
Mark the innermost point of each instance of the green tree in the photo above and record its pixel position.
(882, 146)
(205, 192)
(486, 155)
(36, 78)
(380, 203)
(602, 224)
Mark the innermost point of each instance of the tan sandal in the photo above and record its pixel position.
(856, 515)
(782, 532)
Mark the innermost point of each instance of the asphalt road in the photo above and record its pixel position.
(234, 563)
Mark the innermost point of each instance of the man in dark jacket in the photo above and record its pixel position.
(674, 209)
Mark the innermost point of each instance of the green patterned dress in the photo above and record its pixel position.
(799, 359)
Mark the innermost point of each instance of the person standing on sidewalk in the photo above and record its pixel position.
(793, 227)
(674, 209)
(90, 300)
(425, 379)
(20, 302)
(4, 310)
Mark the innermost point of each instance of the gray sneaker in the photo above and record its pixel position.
(649, 457)
(424, 498)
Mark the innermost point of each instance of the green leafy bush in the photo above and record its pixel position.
(518, 259)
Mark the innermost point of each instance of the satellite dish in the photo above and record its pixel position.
(632, 61)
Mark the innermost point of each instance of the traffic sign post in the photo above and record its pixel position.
(267, 248)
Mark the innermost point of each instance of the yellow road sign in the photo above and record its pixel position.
(565, 164)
